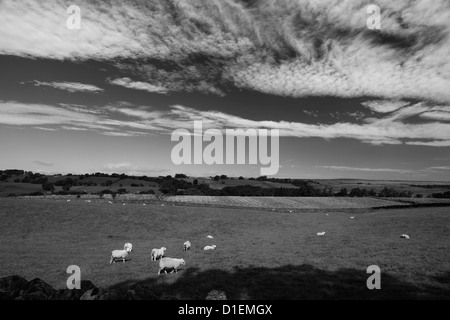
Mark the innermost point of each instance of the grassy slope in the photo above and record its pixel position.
(261, 255)
(236, 182)
(378, 185)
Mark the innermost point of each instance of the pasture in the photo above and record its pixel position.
(260, 254)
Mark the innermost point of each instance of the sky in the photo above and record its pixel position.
(348, 101)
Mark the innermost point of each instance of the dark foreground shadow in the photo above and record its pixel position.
(281, 283)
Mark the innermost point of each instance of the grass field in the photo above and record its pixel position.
(291, 203)
(259, 254)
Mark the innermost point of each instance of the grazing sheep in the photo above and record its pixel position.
(109, 201)
(187, 246)
(210, 237)
(404, 236)
(121, 254)
(352, 217)
(170, 263)
(321, 233)
(68, 200)
(210, 247)
(327, 214)
(157, 253)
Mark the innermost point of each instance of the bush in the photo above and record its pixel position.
(147, 192)
(35, 194)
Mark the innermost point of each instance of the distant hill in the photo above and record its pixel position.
(19, 182)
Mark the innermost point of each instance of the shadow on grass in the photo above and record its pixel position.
(281, 283)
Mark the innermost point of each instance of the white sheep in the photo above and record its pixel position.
(170, 263)
(321, 233)
(210, 237)
(121, 254)
(187, 246)
(404, 236)
(352, 217)
(157, 253)
(210, 247)
(110, 202)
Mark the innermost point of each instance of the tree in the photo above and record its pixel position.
(66, 187)
(342, 193)
(48, 186)
(195, 182)
(224, 177)
(241, 178)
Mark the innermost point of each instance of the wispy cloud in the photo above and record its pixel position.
(436, 143)
(124, 134)
(341, 168)
(44, 129)
(70, 86)
(44, 164)
(389, 128)
(131, 169)
(128, 83)
(286, 48)
(384, 106)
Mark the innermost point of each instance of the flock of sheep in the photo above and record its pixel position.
(164, 262)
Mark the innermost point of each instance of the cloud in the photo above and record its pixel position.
(440, 168)
(131, 169)
(340, 168)
(70, 86)
(124, 120)
(393, 170)
(436, 143)
(384, 106)
(281, 47)
(128, 83)
(44, 129)
(124, 134)
(44, 164)
(74, 128)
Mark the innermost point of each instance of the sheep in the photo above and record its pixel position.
(352, 217)
(121, 254)
(321, 233)
(157, 253)
(187, 246)
(210, 237)
(404, 236)
(110, 202)
(170, 263)
(210, 247)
